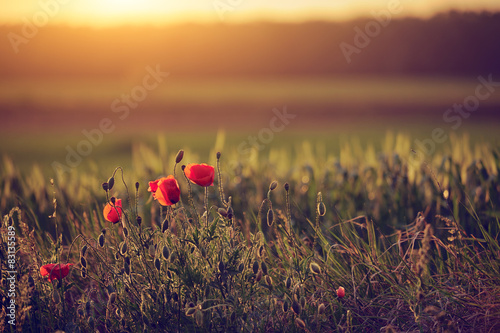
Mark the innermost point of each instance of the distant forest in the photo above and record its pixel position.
(449, 44)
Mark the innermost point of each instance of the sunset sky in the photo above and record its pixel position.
(115, 12)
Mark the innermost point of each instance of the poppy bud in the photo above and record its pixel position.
(190, 311)
(285, 306)
(123, 248)
(83, 272)
(264, 268)
(302, 302)
(300, 323)
(288, 283)
(112, 199)
(83, 250)
(179, 156)
(164, 225)
(56, 297)
(183, 167)
(139, 220)
(112, 298)
(258, 277)
(218, 155)
(321, 309)
(111, 183)
(255, 267)
(157, 264)
(314, 267)
(273, 185)
(341, 292)
(270, 217)
(199, 318)
(230, 213)
(166, 252)
(137, 186)
(125, 231)
(83, 262)
(287, 187)
(269, 281)
(101, 240)
(222, 212)
(105, 186)
(296, 307)
(127, 268)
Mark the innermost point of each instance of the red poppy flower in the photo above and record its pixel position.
(165, 190)
(201, 174)
(55, 271)
(113, 214)
(341, 292)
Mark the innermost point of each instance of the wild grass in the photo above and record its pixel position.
(415, 245)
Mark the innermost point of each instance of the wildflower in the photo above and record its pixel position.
(165, 190)
(341, 292)
(200, 174)
(55, 271)
(113, 213)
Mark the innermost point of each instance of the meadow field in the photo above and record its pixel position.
(343, 229)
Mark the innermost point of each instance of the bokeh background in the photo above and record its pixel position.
(347, 70)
